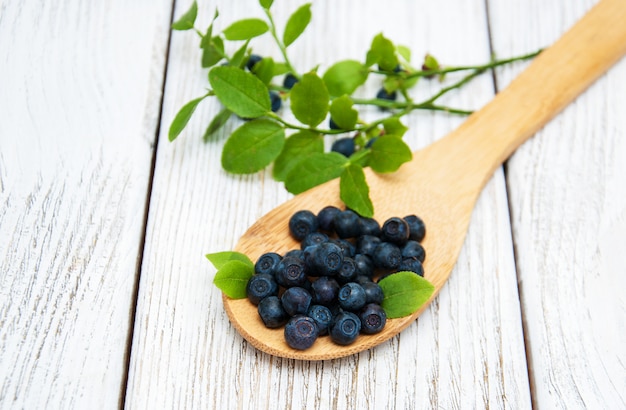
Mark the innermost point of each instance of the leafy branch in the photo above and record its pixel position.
(245, 84)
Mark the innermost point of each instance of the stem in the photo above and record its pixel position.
(289, 125)
(279, 43)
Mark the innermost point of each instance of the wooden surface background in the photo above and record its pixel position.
(106, 299)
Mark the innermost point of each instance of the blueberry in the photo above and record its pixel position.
(276, 101)
(347, 272)
(325, 290)
(344, 146)
(347, 224)
(296, 301)
(373, 319)
(387, 256)
(351, 297)
(332, 124)
(296, 253)
(417, 228)
(369, 226)
(272, 312)
(322, 316)
(301, 332)
(373, 292)
(413, 249)
(347, 248)
(252, 60)
(366, 244)
(395, 230)
(364, 265)
(384, 95)
(267, 263)
(345, 328)
(291, 271)
(325, 218)
(302, 223)
(289, 81)
(361, 280)
(324, 259)
(314, 238)
(412, 265)
(261, 286)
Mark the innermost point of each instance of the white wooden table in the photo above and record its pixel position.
(106, 299)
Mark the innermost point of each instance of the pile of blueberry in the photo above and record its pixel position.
(330, 285)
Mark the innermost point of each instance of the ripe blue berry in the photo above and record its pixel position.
(322, 316)
(373, 292)
(351, 297)
(347, 248)
(369, 226)
(384, 95)
(347, 224)
(289, 81)
(276, 101)
(291, 271)
(364, 265)
(296, 301)
(417, 228)
(325, 290)
(373, 319)
(347, 272)
(302, 223)
(267, 263)
(272, 312)
(324, 259)
(412, 265)
(252, 60)
(325, 218)
(301, 332)
(413, 249)
(314, 238)
(366, 244)
(261, 286)
(344, 146)
(345, 328)
(395, 230)
(387, 256)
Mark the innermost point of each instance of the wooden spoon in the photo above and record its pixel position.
(442, 182)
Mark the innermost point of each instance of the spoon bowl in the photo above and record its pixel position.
(443, 181)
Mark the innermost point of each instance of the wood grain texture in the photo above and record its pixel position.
(568, 208)
(467, 349)
(79, 101)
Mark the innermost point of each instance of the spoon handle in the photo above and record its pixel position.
(554, 79)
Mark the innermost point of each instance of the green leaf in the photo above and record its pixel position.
(232, 278)
(212, 52)
(344, 77)
(182, 118)
(238, 58)
(280, 68)
(216, 123)
(219, 259)
(383, 52)
(342, 113)
(240, 91)
(393, 126)
(208, 36)
(354, 191)
(296, 146)
(309, 100)
(405, 293)
(266, 4)
(245, 29)
(313, 170)
(253, 146)
(187, 20)
(388, 153)
(264, 69)
(405, 52)
(296, 24)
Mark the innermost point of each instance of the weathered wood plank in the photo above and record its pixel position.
(468, 348)
(568, 208)
(80, 97)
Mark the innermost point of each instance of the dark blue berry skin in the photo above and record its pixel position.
(366, 244)
(417, 228)
(384, 95)
(291, 271)
(322, 316)
(314, 238)
(325, 218)
(411, 265)
(369, 226)
(351, 297)
(344, 146)
(267, 263)
(373, 292)
(301, 332)
(324, 259)
(347, 272)
(373, 319)
(325, 291)
(252, 60)
(395, 230)
(296, 301)
(347, 224)
(261, 286)
(296, 253)
(272, 312)
(347, 247)
(345, 328)
(387, 256)
(302, 223)
(413, 249)
(276, 101)
(289, 81)
(364, 265)
(332, 124)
